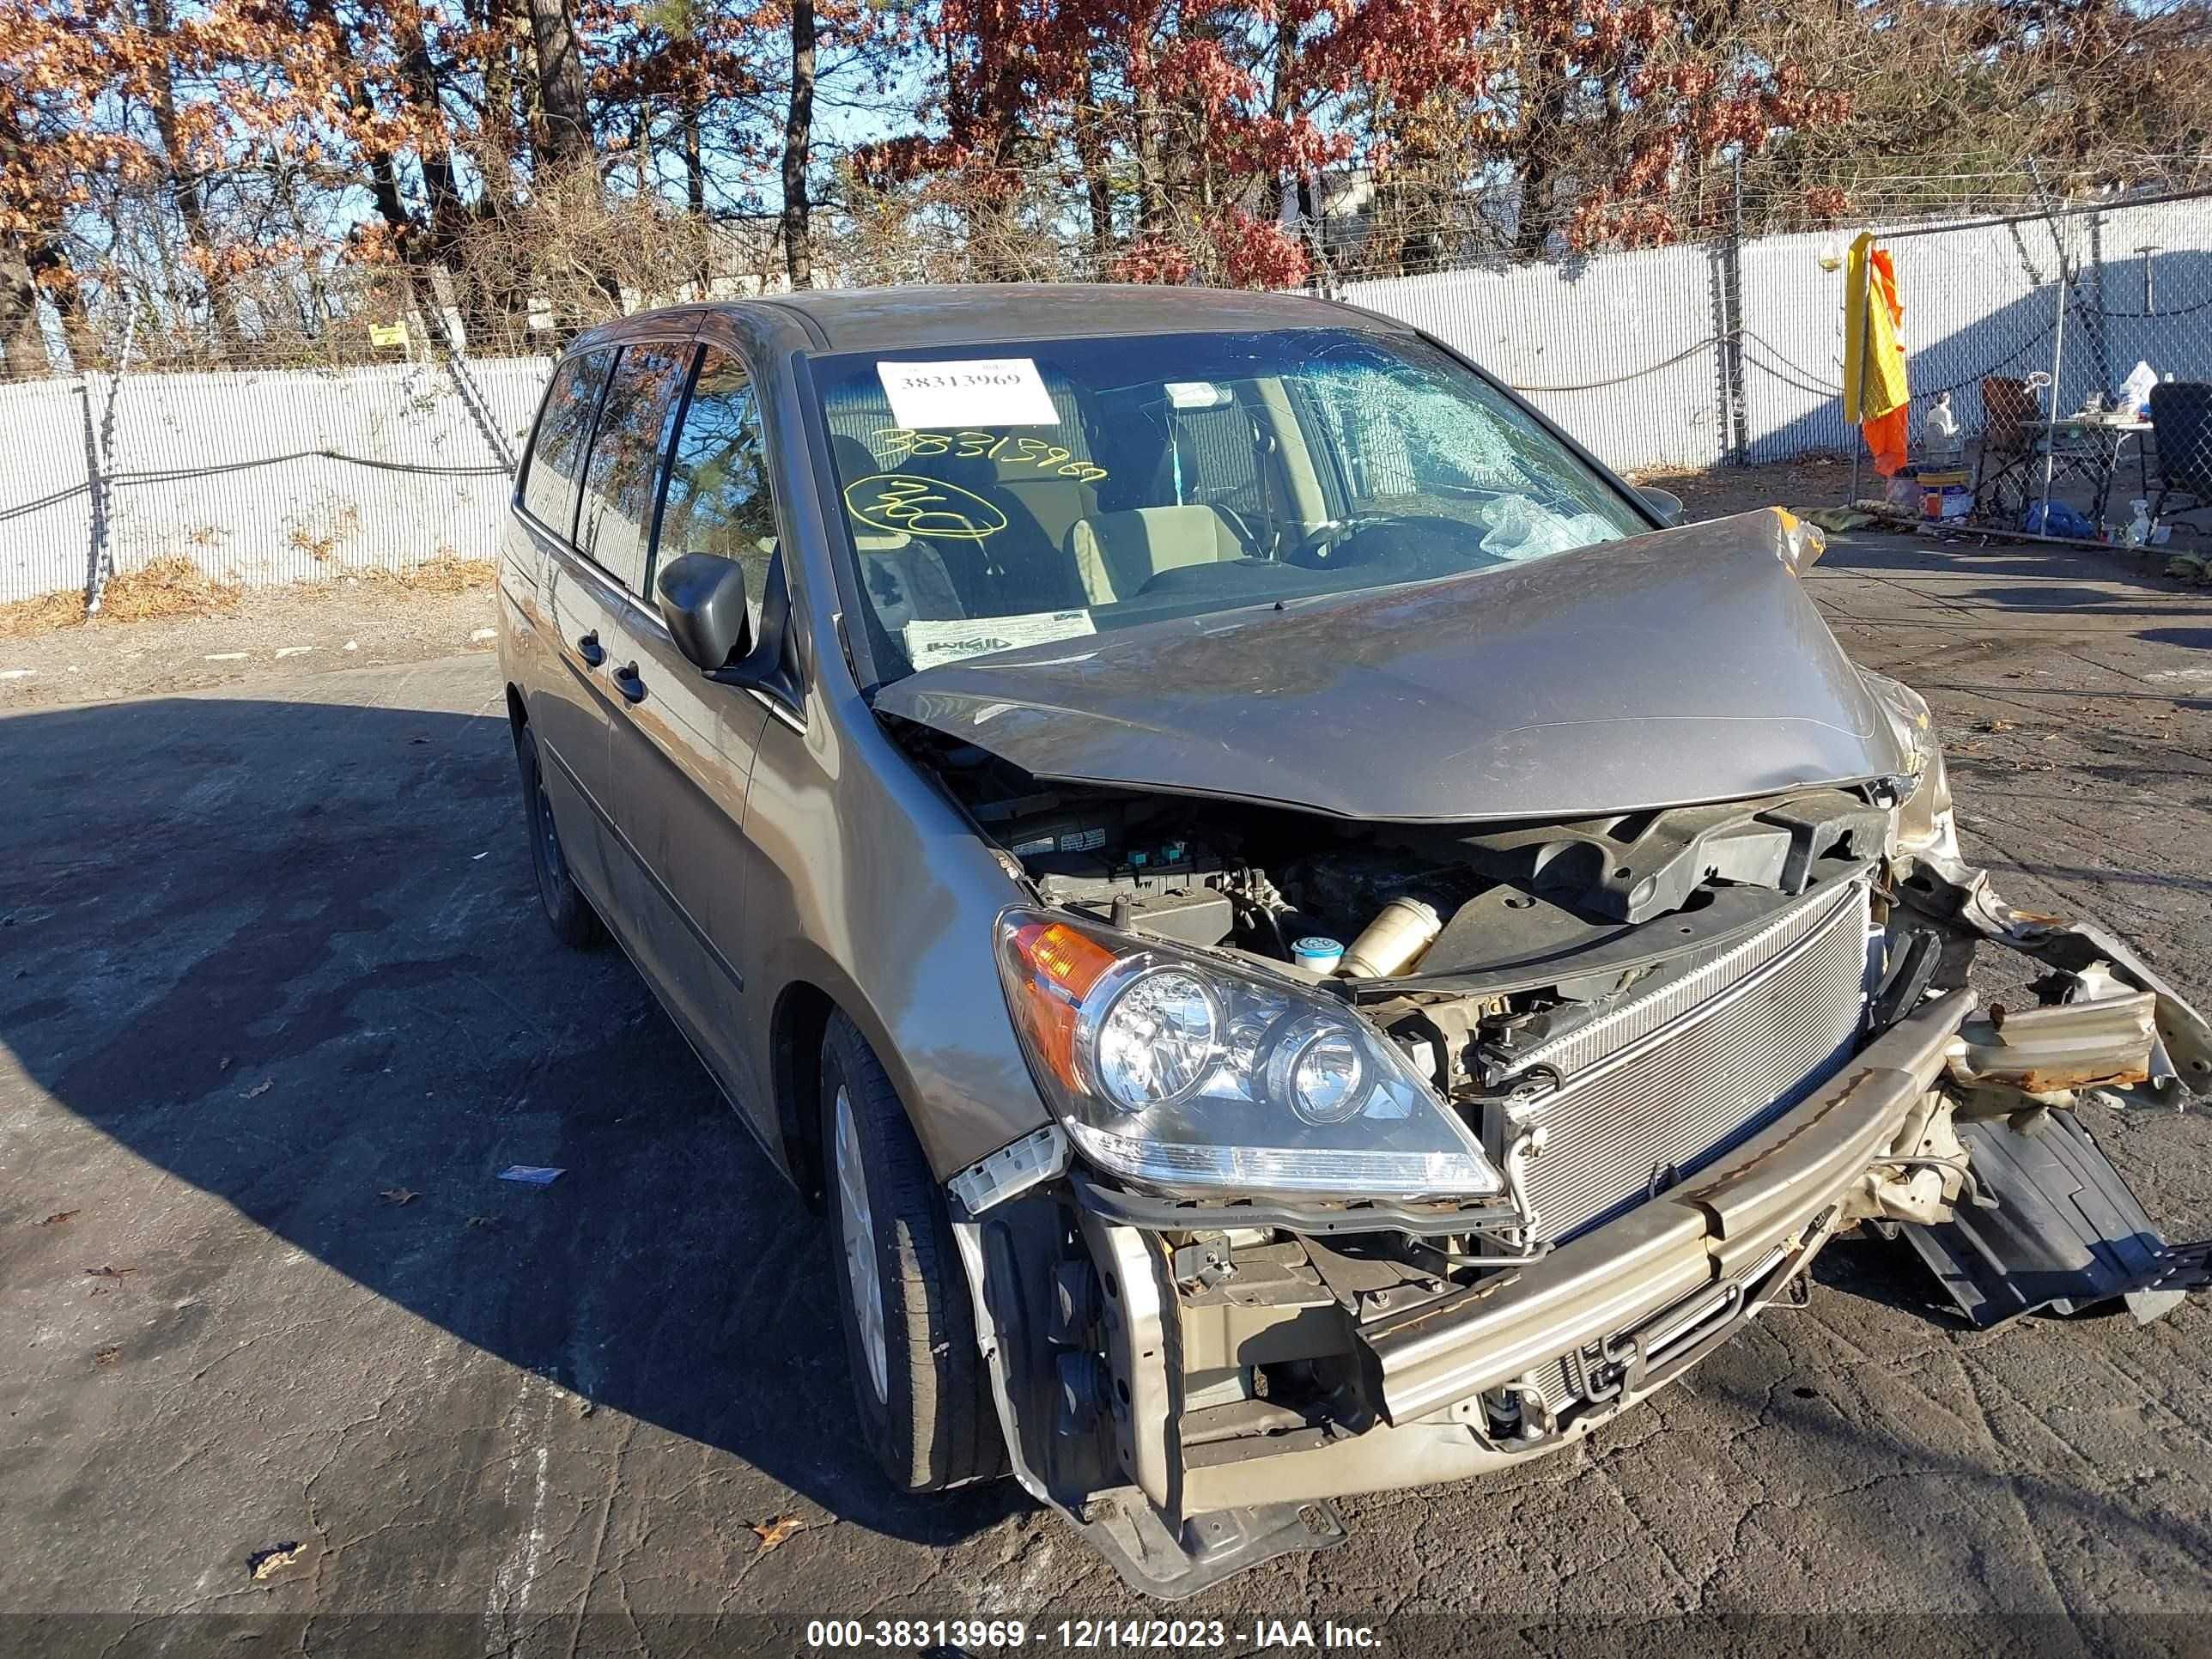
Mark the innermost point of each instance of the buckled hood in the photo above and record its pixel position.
(1682, 666)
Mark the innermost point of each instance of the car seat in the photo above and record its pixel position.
(1116, 553)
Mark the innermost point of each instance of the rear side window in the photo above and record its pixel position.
(718, 494)
(616, 525)
(549, 487)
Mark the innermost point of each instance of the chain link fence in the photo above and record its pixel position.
(379, 428)
(257, 476)
(2012, 323)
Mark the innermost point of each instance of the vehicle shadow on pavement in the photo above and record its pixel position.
(290, 952)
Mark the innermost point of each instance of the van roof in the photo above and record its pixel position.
(885, 318)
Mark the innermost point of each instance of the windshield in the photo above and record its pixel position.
(1000, 497)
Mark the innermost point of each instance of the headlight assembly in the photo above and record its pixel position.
(1923, 818)
(1193, 1077)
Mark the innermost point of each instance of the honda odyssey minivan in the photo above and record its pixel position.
(1306, 937)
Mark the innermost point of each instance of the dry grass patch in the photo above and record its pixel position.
(445, 575)
(166, 587)
(172, 588)
(21, 618)
(169, 587)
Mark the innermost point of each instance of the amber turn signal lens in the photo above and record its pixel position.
(1057, 968)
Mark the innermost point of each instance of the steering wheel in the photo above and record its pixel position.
(1313, 547)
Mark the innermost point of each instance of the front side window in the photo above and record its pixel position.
(1003, 495)
(718, 492)
(615, 526)
(549, 488)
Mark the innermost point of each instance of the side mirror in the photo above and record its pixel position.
(1664, 502)
(702, 600)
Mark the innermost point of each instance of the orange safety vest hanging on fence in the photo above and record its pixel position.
(1876, 398)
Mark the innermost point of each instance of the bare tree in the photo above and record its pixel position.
(560, 85)
(798, 141)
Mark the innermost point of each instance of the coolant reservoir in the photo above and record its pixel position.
(1393, 941)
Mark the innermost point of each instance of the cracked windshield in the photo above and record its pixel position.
(1000, 496)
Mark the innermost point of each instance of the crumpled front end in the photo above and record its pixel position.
(1651, 1065)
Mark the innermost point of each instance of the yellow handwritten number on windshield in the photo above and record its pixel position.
(922, 506)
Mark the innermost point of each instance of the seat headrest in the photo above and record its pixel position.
(855, 459)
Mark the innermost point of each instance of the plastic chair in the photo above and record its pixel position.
(2181, 419)
(2007, 439)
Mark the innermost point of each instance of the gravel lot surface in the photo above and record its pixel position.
(284, 633)
(276, 1006)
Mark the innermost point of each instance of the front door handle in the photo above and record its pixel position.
(588, 647)
(627, 682)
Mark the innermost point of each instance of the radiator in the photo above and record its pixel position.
(1665, 1083)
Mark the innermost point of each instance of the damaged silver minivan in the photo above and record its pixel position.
(1307, 941)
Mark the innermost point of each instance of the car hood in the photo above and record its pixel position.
(1682, 666)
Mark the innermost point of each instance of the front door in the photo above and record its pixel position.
(599, 584)
(682, 743)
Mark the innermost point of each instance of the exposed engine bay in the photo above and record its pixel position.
(1475, 949)
(1696, 1043)
(1483, 951)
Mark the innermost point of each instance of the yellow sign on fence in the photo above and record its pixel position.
(387, 334)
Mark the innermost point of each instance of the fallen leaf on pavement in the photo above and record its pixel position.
(106, 1355)
(261, 1088)
(2001, 725)
(488, 1223)
(266, 1563)
(109, 1273)
(58, 1218)
(777, 1528)
(398, 1195)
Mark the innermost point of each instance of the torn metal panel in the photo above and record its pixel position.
(2180, 1060)
(2065, 1234)
(2067, 1046)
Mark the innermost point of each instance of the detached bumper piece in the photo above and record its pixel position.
(2065, 1234)
(2057, 1229)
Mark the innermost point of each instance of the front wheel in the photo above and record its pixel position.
(918, 1379)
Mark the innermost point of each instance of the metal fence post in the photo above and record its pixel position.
(95, 480)
(472, 397)
(1732, 265)
(99, 446)
(2057, 370)
(1727, 272)
(2093, 316)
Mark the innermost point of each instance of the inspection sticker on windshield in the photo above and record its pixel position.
(978, 392)
(929, 643)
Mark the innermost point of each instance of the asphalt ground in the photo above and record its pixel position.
(276, 1006)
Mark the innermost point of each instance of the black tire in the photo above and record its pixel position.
(934, 1424)
(574, 921)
